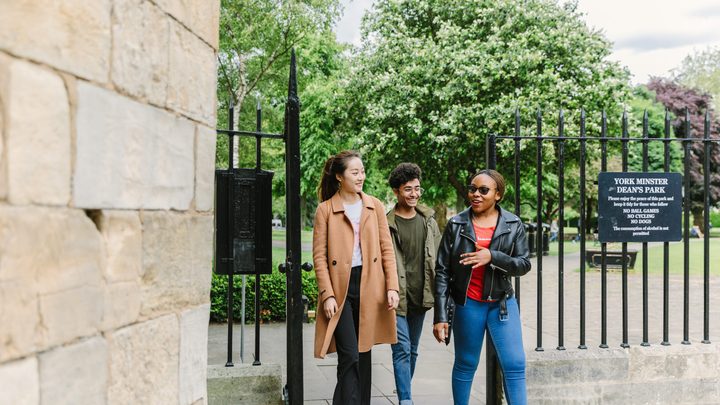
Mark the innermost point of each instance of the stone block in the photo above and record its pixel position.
(193, 354)
(141, 34)
(574, 394)
(62, 263)
(69, 314)
(122, 235)
(39, 265)
(245, 384)
(659, 392)
(202, 17)
(71, 35)
(121, 305)
(3, 159)
(75, 374)
(19, 315)
(38, 124)
(20, 383)
(177, 261)
(680, 362)
(205, 168)
(579, 366)
(192, 76)
(19, 319)
(144, 362)
(131, 155)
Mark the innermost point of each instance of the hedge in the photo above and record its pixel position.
(715, 218)
(272, 296)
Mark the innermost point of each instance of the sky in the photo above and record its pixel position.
(650, 37)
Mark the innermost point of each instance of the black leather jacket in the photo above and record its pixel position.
(509, 250)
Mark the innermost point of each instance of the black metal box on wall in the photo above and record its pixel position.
(243, 221)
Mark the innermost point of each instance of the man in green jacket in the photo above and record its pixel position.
(416, 238)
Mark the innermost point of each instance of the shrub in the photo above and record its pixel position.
(715, 218)
(272, 296)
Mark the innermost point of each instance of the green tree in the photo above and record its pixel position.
(433, 78)
(701, 71)
(678, 99)
(257, 34)
(256, 37)
(643, 101)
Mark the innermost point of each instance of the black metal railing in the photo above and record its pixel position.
(581, 140)
(561, 139)
(291, 267)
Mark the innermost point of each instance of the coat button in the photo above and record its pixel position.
(334, 262)
(375, 259)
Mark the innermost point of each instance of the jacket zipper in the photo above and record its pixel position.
(512, 248)
(492, 279)
(467, 284)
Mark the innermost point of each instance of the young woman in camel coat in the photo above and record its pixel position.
(356, 276)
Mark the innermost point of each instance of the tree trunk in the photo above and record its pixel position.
(441, 215)
(589, 203)
(239, 98)
(239, 94)
(698, 213)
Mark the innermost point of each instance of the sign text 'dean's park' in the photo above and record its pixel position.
(639, 207)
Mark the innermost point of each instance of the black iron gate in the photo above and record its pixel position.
(560, 139)
(243, 231)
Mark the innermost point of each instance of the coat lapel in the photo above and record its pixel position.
(367, 211)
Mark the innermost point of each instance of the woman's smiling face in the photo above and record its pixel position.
(353, 177)
(483, 193)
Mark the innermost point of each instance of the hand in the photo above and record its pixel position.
(393, 299)
(440, 330)
(476, 259)
(330, 306)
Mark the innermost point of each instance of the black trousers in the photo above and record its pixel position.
(354, 370)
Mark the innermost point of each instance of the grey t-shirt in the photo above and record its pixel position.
(411, 233)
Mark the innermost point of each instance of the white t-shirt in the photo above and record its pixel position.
(353, 212)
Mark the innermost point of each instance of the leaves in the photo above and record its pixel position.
(677, 98)
(434, 78)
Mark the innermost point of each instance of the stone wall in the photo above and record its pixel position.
(107, 144)
(676, 374)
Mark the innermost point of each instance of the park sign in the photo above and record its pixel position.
(639, 207)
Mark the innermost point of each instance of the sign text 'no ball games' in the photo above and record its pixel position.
(639, 207)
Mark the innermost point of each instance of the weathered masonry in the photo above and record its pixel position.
(107, 144)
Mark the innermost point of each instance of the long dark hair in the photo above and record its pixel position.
(329, 184)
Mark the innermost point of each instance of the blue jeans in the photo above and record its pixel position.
(405, 353)
(471, 321)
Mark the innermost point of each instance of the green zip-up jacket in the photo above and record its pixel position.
(432, 242)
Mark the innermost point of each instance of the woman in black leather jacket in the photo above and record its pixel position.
(481, 248)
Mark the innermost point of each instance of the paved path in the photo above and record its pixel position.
(431, 384)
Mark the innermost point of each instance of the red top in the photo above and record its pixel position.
(483, 237)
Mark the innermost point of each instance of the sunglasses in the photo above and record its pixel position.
(482, 189)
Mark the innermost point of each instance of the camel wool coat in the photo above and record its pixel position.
(332, 256)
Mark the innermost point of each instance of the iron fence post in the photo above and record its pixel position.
(493, 384)
(686, 228)
(231, 125)
(706, 229)
(294, 280)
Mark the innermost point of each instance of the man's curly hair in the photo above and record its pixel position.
(403, 173)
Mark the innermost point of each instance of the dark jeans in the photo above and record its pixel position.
(354, 370)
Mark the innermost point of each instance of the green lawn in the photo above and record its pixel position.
(305, 236)
(568, 248)
(278, 255)
(655, 253)
(279, 252)
(655, 258)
